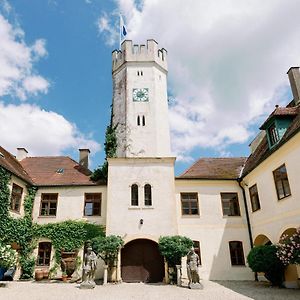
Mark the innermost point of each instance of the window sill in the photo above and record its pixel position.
(238, 266)
(283, 198)
(15, 212)
(134, 207)
(256, 210)
(190, 216)
(226, 217)
(53, 217)
(93, 216)
(147, 207)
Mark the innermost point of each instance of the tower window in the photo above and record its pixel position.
(138, 73)
(142, 73)
(144, 120)
(134, 195)
(138, 121)
(148, 194)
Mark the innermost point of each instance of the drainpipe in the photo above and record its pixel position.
(239, 180)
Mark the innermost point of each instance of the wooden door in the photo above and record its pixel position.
(142, 262)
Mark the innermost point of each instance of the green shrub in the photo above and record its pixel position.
(264, 259)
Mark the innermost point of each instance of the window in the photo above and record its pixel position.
(138, 121)
(44, 254)
(142, 73)
(144, 121)
(148, 194)
(254, 198)
(92, 204)
(281, 182)
(189, 204)
(273, 134)
(197, 249)
(236, 253)
(134, 195)
(230, 204)
(16, 196)
(48, 205)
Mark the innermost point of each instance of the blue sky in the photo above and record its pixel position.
(227, 70)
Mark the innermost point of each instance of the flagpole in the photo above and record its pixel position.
(120, 30)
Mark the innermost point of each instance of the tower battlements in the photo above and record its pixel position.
(139, 53)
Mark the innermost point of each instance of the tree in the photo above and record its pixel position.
(173, 248)
(264, 259)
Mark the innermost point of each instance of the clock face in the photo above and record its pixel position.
(141, 95)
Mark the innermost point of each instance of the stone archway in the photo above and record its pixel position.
(141, 262)
(261, 239)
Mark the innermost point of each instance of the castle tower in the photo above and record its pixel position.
(140, 105)
(141, 189)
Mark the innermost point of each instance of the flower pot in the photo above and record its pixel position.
(64, 278)
(45, 273)
(39, 275)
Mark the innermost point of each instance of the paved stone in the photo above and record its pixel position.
(211, 291)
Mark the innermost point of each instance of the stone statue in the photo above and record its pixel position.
(192, 265)
(89, 268)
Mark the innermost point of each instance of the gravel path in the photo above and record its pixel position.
(212, 291)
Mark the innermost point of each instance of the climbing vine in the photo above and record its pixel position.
(110, 147)
(68, 235)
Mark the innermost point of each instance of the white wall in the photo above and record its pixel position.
(213, 230)
(124, 219)
(70, 204)
(275, 215)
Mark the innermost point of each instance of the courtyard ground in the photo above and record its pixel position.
(212, 290)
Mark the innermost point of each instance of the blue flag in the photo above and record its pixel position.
(123, 30)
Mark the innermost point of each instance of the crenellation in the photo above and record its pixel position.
(142, 53)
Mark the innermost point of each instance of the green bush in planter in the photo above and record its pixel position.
(264, 259)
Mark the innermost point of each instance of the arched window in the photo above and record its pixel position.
(236, 253)
(142, 73)
(148, 194)
(44, 254)
(144, 121)
(134, 195)
(138, 121)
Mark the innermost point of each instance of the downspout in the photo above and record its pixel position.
(239, 180)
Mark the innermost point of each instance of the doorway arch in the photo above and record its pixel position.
(141, 261)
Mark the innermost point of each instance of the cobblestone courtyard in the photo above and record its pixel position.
(212, 290)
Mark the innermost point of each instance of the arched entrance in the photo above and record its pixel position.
(262, 240)
(141, 262)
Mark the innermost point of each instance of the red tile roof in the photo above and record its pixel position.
(56, 171)
(215, 168)
(10, 163)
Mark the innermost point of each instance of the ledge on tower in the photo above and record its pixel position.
(141, 53)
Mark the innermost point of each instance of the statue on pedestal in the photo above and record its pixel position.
(89, 268)
(192, 265)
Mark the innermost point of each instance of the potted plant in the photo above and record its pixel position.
(108, 248)
(64, 277)
(8, 258)
(173, 248)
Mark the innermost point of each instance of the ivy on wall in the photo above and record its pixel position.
(68, 235)
(110, 147)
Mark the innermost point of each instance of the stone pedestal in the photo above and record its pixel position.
(105, 274)
(87, 285)
(178, 267)
(195, 286)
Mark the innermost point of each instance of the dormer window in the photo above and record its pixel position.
(273, 134)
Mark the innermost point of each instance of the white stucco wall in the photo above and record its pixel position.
(124, 219)
(275, 216)
(70, 204)
(213, 230)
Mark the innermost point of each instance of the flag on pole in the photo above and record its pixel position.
(123, 30)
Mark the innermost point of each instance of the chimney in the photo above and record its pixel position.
(294, 77)
(21, 153)
(84, 157)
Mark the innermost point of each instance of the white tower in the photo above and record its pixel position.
(140, 105)
(141, 189)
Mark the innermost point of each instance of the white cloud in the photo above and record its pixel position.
(17, 74)
(41, 132)
(227, 62)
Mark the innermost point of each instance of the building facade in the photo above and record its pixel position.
(225, 205)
